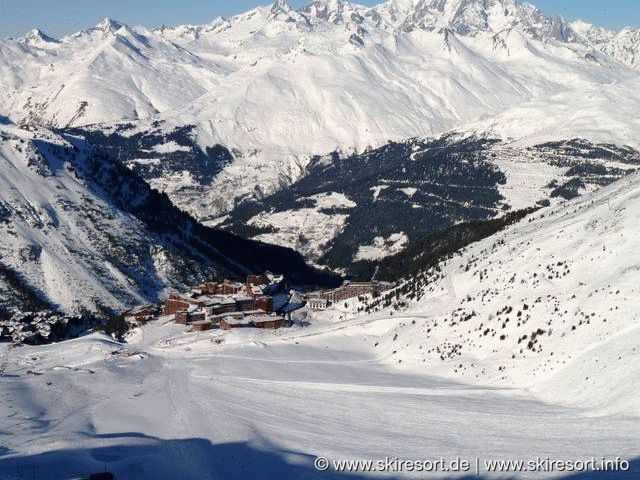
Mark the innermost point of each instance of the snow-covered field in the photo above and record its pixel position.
(382, 247)
(307, 230)
(264, 405)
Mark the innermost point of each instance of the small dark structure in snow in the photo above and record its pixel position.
(182, 317)
(142, 314)
(102, 476)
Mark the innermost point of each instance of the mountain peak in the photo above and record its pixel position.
(468, 17)
(560, 30)
(37, 36)
(281, 6)
(108, 25)
(281, 10)
(333, 11)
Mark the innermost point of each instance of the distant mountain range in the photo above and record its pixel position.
(276, 86)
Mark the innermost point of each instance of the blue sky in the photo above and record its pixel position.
(63, 17)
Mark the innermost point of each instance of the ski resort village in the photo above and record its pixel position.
(263, 301)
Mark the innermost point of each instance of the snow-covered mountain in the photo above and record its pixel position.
(622, 45)
(346, 211)
(218, 114)
(471, 17)
(79, 231)
(72, 247)
(277, 86)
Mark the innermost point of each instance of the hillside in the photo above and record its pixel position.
(82, 232)
(353, 212)
(547, 305)
(445, 111)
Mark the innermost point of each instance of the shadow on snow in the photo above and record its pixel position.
(142, 457)
(145, 457)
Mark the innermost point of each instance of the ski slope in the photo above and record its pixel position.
(548, 306)
(265, 405)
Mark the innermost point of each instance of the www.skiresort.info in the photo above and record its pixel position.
(477, 465)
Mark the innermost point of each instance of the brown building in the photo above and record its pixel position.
(234, 321)
(196, 316)
(190, 316)
(244, 304)
(210, 288)
(231, 288)
(267, 322)
(354, 289)
(216, 318)
(201, 326)
(182, 317)
(179, 302)
(172, 305)
(227, 306)
(142, 314)
(258, 280)
(255, 283)
(227, 287)
(264, 303)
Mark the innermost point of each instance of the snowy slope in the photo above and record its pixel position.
(82, 232)
(423, 383)
(366, 207)
(316, 92)
(107, 73)
(548, 305)
(525, 345)
(54, 229)
(600, 113)
(622, 45)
